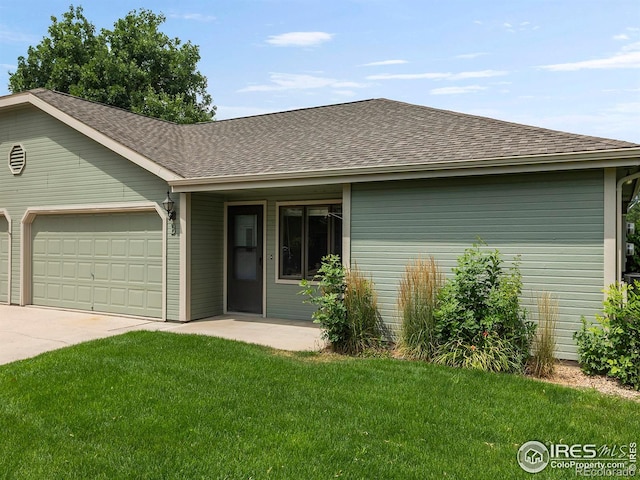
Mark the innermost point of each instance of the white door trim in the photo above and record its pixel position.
(184, 314)
(264, 252)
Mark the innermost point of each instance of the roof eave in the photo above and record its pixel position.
(28, 98)
(524, 164)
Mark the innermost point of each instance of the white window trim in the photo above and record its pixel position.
(610, 224)
(286, 281)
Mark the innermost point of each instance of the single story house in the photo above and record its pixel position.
(259, 200)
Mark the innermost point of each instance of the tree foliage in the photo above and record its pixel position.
(133, 66)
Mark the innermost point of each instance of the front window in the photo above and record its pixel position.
(308, 233)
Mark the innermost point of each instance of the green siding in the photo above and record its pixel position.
(4, 260)
(64, 167)
(554, 222)
(207, 243)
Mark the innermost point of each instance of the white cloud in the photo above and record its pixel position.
(622, 36)
(290, 81)
(456, 90)
(198, 17)
(384, 62)
(471, 55)
(438, 75)
(627, 57)
(478, 74)
(520, 27)
(299, 39)
(409, 76)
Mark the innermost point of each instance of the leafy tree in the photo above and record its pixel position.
(133, 66)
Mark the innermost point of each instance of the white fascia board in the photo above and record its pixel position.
(104, 140)
(528, 164)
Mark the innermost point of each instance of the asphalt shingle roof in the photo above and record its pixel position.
(370, 133)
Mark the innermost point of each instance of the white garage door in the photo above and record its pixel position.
(100, 262)
(4, 260)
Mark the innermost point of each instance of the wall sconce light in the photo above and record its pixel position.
(168, 204)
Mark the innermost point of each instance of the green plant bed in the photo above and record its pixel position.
(159, 405)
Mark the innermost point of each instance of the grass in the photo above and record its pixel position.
(158, 405)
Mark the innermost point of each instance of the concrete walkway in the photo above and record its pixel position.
(28, 331)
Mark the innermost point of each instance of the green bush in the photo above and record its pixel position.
(417, 302)
(493, 354)
(328, 296)
(612, 346)
(479, 312)
(347, 307)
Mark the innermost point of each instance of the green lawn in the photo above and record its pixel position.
(160, 405)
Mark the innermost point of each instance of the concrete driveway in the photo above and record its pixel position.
(28, 331)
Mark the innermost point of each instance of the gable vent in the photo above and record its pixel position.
(17, 159)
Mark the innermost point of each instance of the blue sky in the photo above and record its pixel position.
(571, 65)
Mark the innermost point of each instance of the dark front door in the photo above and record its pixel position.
(244, 264)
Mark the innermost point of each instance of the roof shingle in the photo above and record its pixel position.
(369, 133)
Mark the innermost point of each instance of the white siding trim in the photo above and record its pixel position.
(264, 253)
(31, 213)
(5, 214)
(346, 225)
(184, 314)
(610, 215)
(488, 166)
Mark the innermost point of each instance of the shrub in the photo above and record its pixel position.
(329, 298)
(417, 302)
(612, 346)
(542, 362)
(361, 302)
(347, 307)
(480, 308)
(491, 354)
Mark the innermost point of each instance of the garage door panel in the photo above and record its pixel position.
(99, 262)
(154, 248)
(53, 247)
(39, 246)
(85, 247)
(69, 293)
(119, 247)
(119, 272)
(137, 248)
